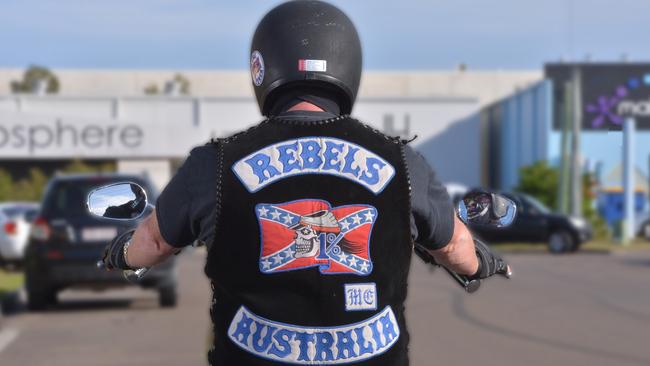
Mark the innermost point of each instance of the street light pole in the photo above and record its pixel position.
(629, 183)
(576, 168)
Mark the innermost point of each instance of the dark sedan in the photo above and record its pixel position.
(66, 241)
(538, 224)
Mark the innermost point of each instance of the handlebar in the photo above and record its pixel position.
(131, 275)
(470, 285)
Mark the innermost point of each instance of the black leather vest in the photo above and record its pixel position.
(312, 247)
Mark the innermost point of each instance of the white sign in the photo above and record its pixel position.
(63, 127)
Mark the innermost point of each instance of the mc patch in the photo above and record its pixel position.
(360, 296)
(311, 233)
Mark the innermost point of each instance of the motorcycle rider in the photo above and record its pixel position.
(310, 216)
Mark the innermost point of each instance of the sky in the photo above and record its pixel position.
(396, 35)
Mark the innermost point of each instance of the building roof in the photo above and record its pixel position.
(484, 85)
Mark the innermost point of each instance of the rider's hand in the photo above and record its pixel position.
(489, 262)
(113, 256)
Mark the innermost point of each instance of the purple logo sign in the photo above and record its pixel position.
(605, 106)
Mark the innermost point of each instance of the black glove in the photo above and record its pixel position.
(489, 263)
(114, 252)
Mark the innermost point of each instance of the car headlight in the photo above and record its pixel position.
(578, 222)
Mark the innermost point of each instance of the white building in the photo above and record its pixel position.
(104, 115)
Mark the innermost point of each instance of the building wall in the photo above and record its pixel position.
(518, 128)
(437, 106)
(455, 152)
(168, 127)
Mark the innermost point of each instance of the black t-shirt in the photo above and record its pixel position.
(186, 207)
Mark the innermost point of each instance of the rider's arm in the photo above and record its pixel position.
(184, 211)
(148, 248)
(434, 225)
(459, 255)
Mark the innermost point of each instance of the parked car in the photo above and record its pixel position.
(66, 242)
(643, 225)
(15, 222)
(536, 223)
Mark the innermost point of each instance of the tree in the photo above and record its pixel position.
(184, 83)
(151, 89)
(179, 79)
(24, 190)
(33, 75)
(38, 180)
(540, 181)
(6, 185)
(599, 225)
(78, 166)
(31, 188)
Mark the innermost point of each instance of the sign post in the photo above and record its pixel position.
(576, 163)
(629, 129)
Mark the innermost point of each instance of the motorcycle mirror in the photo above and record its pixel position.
(486, 209)
(119, 201)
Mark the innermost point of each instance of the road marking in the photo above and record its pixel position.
(6, 337)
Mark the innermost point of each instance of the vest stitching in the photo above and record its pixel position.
(395, 139)
(219, 144)
(316, 122)
(402, 149)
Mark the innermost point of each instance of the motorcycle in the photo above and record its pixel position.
(119, 202)
(128, 201)
(478, 208)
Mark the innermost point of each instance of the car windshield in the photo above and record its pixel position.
(536, 204)
(68, 198)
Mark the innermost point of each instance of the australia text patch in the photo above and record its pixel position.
(314, 155)
(360, 296)
(311, 233)
(314, 345)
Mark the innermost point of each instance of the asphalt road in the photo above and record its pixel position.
(583, 309)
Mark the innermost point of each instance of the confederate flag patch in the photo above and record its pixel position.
(310, 233)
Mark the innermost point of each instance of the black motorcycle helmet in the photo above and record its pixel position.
(306, 44)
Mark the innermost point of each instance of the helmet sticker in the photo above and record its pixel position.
(257, 68)
(312, 65)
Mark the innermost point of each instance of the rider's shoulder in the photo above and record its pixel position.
(414, 159)
(201, 157)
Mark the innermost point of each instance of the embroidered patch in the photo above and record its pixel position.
(310, 233)
(257, 68)
(314, 155)
(360, 296)
(314, 345)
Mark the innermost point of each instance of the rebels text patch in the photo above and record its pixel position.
(314, 155)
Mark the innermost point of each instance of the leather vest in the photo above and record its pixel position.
(312, 246)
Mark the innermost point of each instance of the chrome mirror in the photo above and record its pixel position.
(488, 209)
(120, 201)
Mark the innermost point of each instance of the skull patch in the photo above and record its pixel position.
(306, 245)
